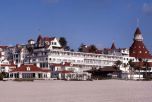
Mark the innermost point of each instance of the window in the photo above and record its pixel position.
(43, 65)
(28, 68)
(16, 55)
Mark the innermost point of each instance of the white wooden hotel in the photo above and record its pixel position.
(47, 53)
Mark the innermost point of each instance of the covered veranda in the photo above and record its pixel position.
(29, 71)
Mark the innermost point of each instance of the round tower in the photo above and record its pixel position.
(138, 48)
(138, 35)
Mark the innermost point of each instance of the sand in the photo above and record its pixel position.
(76, 91)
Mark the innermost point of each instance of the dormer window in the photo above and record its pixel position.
(54, 43)
(145, 51)
(46, 42)
(28, 68)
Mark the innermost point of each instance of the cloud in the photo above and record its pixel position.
(147, 8)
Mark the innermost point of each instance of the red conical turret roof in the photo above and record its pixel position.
(113, 47)
(137, 31)
(138, 48)
(39, 38)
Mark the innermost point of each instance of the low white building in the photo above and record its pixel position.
(29, 71)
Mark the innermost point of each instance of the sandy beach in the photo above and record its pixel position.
(76, 91)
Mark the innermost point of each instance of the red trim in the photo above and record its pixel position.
(33, 68)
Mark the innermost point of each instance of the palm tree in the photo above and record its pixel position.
(125, 66)
(146, 65)
(117, 65)
(131, 68)
(140, 65)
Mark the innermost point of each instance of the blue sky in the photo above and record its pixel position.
(98, 22)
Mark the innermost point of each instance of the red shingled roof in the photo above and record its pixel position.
(11, 65)
(138, 48)
(48, 38)
(39, 38)
(33, 68)
(137, 31)
(113, 47)
(3, 47)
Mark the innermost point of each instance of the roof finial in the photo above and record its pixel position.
(39, 30)
(113, 41)
(137, 22)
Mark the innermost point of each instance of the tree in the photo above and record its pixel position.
(72, 50)
(81, 48)
(140, 65)
(131, 68)
(67, 48)
(125, 66)
(117, 65)
(63, 42)
(30, 49)
(3, 75)
(92, 49)
(147, 67)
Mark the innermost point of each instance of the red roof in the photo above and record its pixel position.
(28, 68)
(3, 47)
(113, 47)
(39, 38)
(48, 39)
(138, 49)
(137, 31)
(10, 65)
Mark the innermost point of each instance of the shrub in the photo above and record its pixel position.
(1, 76)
